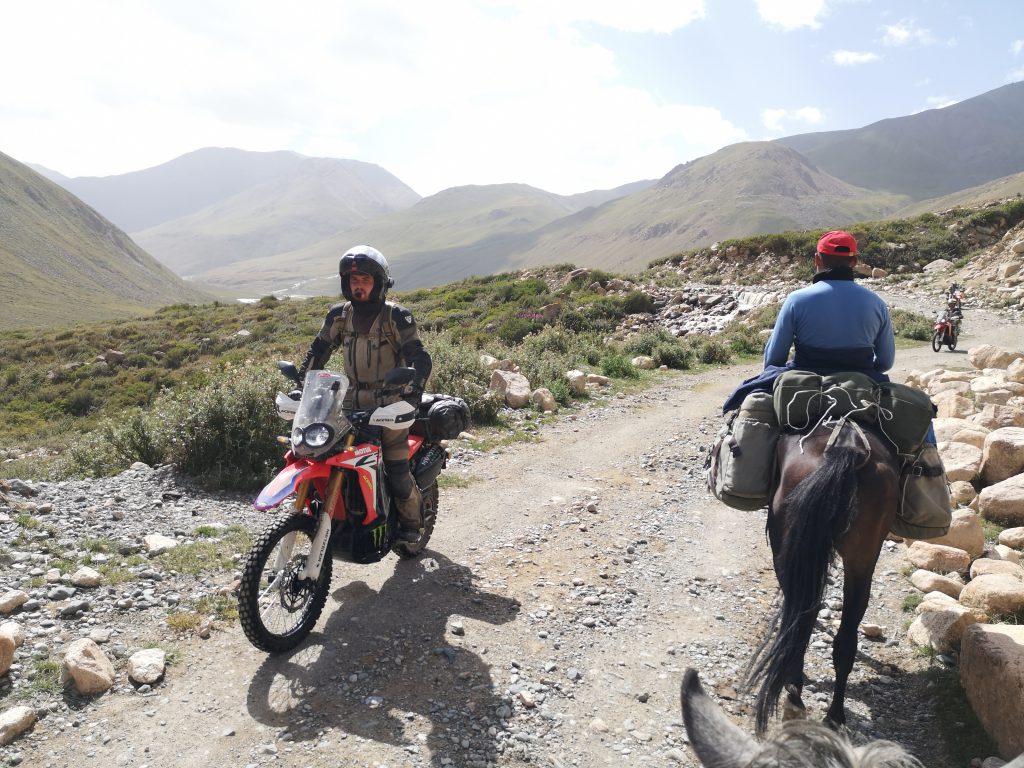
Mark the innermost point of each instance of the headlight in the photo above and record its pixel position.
(317, 435)
(297, 436)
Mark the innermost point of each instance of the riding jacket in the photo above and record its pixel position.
(376, 338)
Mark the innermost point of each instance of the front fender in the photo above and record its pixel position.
(287, 481)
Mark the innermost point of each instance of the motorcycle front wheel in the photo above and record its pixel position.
(937, 341)
(952, 342)
(277, 609)
(408, 550)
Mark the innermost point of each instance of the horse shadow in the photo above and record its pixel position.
(387, 668)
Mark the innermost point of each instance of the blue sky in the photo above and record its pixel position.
(565, 95)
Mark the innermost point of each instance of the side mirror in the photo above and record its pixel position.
(289, 370)
(399, 377)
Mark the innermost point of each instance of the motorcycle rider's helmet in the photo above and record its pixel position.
(369, 261)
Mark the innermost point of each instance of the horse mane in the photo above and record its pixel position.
(807, 744)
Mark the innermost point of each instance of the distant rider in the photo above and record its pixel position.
(377, 336)
(834, 324)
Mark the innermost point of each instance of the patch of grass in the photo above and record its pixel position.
(114, 574)
(44, 678)
(991, 530)
(172, 655)
(910, 602)
(184, 621)
(208, 555)
(451, 480)
(101, 546)
(27, 522)
(221, 607)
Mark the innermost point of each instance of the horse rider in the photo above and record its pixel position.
(835, 324)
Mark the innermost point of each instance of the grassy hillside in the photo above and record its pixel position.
(311, 201)
(999, 189)
(929, 154)
(60, 261)
(455, 233)
(740, 190)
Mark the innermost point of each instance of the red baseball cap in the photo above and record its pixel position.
(837, 243)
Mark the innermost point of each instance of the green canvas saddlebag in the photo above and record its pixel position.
(925, 510)
(740, 465)
(905, 413)
(802, 398)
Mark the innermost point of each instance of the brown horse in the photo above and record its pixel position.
(840, 500)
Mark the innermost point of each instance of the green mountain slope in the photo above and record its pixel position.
(463, 228)
(61, 262)
(999, 189)
(313, 200)
(929, 154)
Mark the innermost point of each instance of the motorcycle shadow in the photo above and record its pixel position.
(387, 667)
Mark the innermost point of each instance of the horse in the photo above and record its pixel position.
(799, 744)
(836, 492)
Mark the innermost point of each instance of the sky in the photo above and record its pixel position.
(564, 95)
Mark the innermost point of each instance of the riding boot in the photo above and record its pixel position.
(410, 515)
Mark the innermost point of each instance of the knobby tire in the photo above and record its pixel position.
(406, 550)
(260, 601)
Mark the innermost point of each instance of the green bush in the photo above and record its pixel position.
(618, 366)
(710, 350)
(637, 302)
(911, 325)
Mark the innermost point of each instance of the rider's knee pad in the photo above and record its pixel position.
(399, 478)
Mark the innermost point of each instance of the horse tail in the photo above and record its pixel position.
(819, 510)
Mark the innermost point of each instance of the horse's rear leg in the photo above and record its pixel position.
(856, 593)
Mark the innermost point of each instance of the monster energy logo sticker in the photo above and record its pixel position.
(378, 535)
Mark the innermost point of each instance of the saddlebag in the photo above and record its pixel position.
(925, 510)
(442, 417)
(905, 414)
(740, 465)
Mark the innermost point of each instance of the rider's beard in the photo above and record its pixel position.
(360, 294)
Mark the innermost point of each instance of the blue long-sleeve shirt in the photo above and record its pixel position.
(834, 315)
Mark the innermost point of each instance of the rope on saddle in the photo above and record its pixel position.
(833, 395)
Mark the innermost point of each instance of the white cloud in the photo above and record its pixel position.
(440, 94)
(791, 14)
(939, 102)
(776, 119)
(907, 32)
(852, 58)
(1015, 76)
(1016, 47)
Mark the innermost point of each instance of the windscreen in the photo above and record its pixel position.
(322, 395)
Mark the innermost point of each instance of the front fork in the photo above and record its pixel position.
(321, 543)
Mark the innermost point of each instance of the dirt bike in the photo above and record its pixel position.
(341, 507)
(945, 331)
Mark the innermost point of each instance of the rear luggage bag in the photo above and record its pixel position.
(741, 463)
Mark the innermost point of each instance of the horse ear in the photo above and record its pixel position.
(715, 739)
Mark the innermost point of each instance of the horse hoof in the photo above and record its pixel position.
(793, 706)
(839, 726)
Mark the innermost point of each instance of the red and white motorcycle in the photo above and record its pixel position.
(334, 473)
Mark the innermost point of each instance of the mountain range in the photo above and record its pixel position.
(250, 223)
(61, 261)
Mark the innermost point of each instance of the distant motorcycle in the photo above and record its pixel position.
(946, 330)
(341, 506)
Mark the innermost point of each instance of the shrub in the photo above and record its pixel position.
(636, 302)
(618, 366)
(911, 325)
(710, 350)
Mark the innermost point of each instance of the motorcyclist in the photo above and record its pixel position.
(377, 336)
(834, 324)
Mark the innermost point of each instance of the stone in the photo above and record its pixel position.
(643, 362)
(1004, 502)
(86, 577)
(12, 600)
(878, 272)
(995, 416)
(961, 492)
(961, 461)
(928, 581)
(157, 544)
(14, 722)
(986, 565)
(1010, 537)
(965, 532)
(7, 648)
(988, 356)
(147, 666)
(1002, 455)
(938, 558)
(513, 387)
(941, 628)
(997, 594)
(87, 667)
(992, 676)
(544, 400)
(13, 630)
(953, 406)
(577, 382)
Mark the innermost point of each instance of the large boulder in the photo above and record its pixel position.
(1004, 502)
(577, 382)
(988, 356)
(14, 722)
(544, 400)
(1011, 537)
(997, 594)
(992, 676)
(938, 558)
(964, 533)
(995, 416)
(950, 405)
(929, 581)
(960, 460)
(514, 387)
(984, 566)
(1002, 455)
(940, 626)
